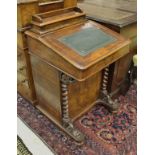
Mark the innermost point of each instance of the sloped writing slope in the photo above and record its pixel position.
(70, 65)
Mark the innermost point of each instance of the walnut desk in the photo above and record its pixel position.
(70, 56)
(120, 16)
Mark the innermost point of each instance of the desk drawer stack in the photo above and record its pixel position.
(25, 84)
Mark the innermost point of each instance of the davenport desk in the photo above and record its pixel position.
(120, 16)
(70, 56)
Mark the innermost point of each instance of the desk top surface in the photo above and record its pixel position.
(83, 44)
(116, 12)
(87, 40)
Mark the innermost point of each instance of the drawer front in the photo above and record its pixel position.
(21, 63)
(21, 68)
(25, 12)
(48, 6)
(21, 57)
(21, 40)
(25, 84)
(23, 87)
(22, 80)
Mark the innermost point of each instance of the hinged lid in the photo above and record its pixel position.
(87, 40)
(86, 46)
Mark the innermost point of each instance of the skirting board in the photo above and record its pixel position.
(31, 140)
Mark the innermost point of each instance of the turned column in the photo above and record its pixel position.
(65, 81)
(66, 121)
(104, 96)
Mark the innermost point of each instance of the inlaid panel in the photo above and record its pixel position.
(87, 40)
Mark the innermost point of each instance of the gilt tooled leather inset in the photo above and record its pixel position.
(87, 40)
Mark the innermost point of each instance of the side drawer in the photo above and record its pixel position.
(21, 56)
(23, 87)
(48, 5)
(21, 68)
(22, 80)
(25, 83)
(21, 39)
(25, 12)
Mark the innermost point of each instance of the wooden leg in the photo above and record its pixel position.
(66, 121)
(104, 96)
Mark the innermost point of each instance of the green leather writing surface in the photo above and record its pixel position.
(87, 40)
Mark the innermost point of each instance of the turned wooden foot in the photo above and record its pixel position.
(73, 132)
(109, 103)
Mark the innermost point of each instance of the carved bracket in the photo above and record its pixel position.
(66, 79)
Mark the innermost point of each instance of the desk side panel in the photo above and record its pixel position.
(82, 95)
(47, 85)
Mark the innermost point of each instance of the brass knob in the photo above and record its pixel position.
(19, 54)
(23, 81)
(22, 68)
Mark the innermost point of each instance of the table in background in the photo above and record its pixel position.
(119, 15)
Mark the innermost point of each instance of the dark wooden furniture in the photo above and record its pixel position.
(70, 56)
(120, 16)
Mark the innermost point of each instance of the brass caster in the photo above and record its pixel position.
(73, 132)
